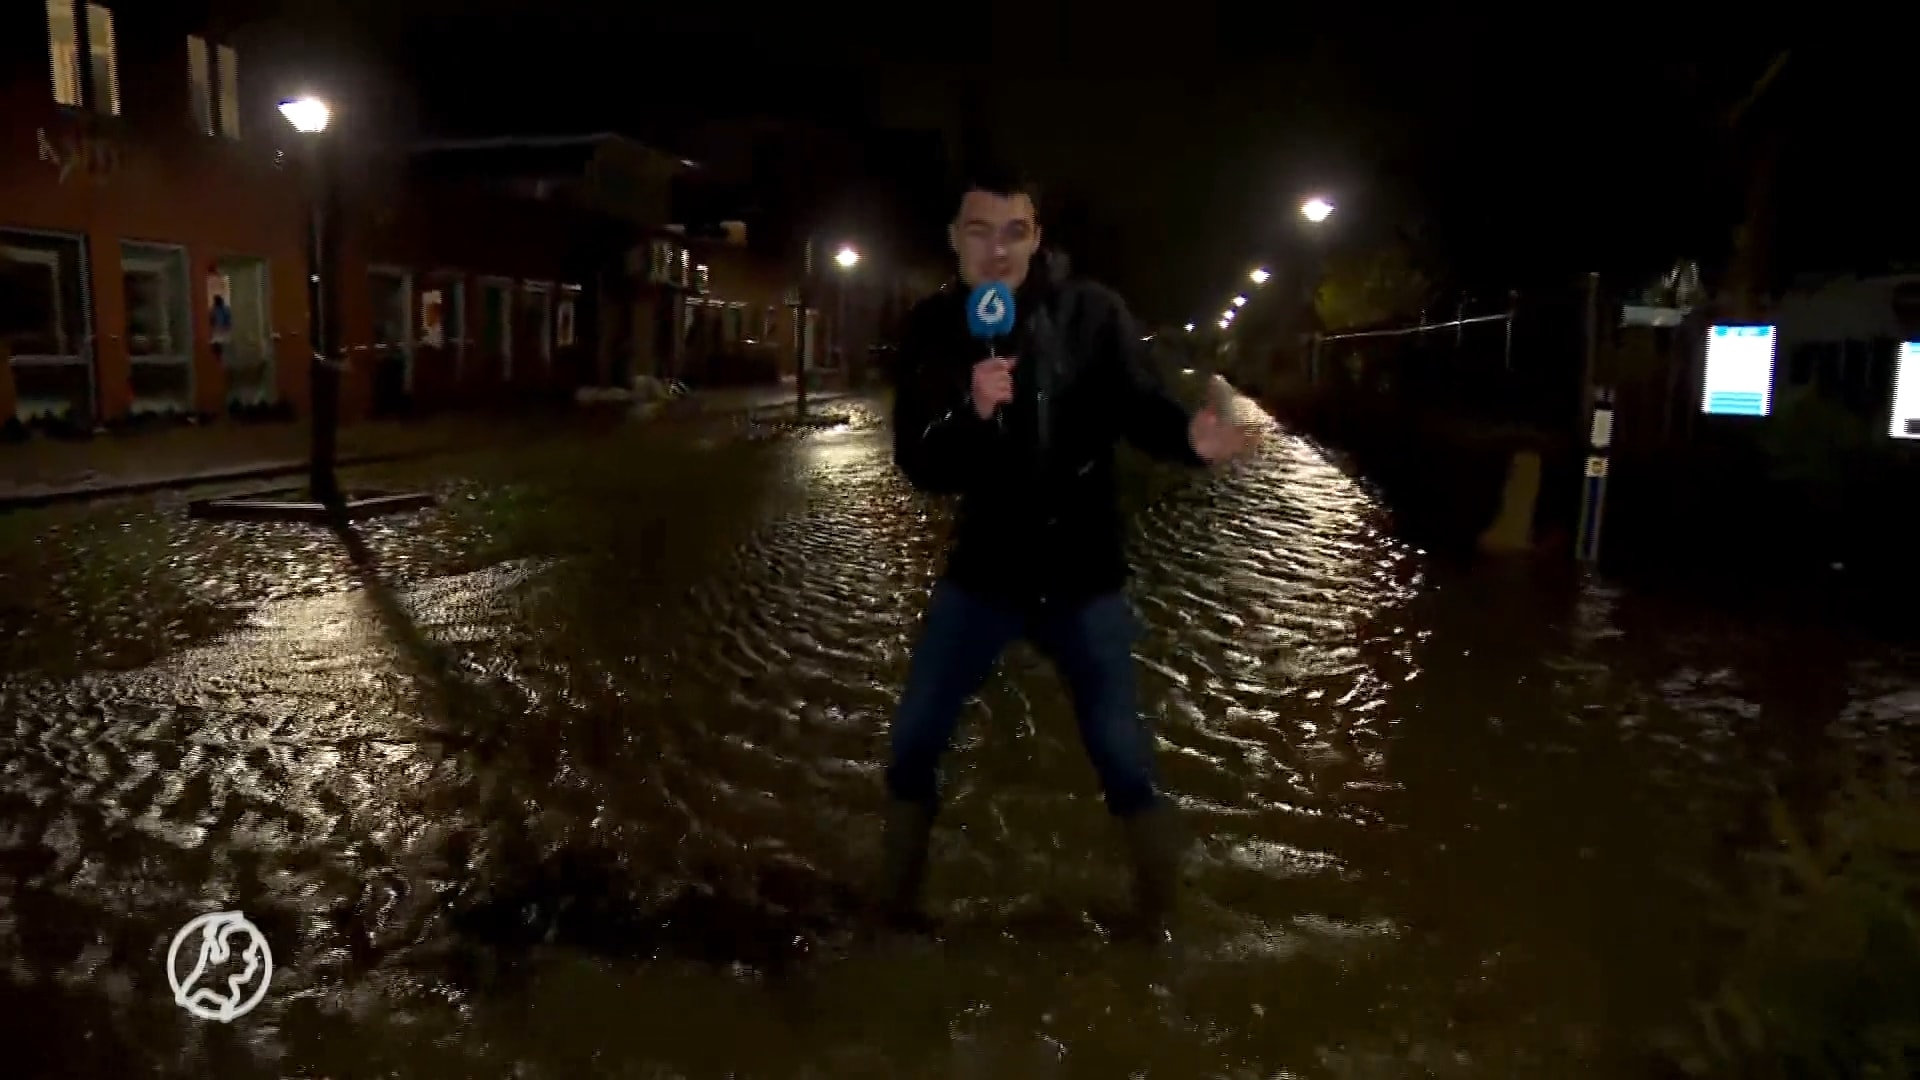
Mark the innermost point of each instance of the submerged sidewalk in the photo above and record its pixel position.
(44, 471)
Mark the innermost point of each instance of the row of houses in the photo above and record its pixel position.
(154, 246)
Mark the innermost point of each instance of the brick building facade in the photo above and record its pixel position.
(118, 213)
(153, 246)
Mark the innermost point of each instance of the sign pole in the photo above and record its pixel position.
(1590, 357)
(1593, 490)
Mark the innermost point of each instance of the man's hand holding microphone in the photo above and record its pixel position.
(992, 385)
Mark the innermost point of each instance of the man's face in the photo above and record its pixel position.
(995, 237)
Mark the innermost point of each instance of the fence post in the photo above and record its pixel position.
(1513, 305)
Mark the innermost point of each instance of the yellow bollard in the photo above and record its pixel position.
(1512, 528)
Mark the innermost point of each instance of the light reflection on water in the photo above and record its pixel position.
(596, 795)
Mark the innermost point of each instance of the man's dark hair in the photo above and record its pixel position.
(996, 178)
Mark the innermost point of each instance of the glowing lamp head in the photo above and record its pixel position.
(308, 115)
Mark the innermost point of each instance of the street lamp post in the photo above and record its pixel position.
(846, 259)
(310, 116)
(801, 324)
(326, 503)
(1316, 211)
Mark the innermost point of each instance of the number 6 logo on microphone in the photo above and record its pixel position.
(990, 310)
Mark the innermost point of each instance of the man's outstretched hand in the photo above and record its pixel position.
(1217, 434)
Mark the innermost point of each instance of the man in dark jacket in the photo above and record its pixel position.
(1025, 435)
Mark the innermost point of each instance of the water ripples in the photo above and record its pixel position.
(595, 795)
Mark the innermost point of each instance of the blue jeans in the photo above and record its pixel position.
(1090, 645)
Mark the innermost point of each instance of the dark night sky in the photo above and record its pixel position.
(1174, 151)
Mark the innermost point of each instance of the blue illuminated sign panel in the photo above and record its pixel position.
(1739, 371)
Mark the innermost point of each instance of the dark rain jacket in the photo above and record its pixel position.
(1039, 521)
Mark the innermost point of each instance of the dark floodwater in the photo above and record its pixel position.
(578, 775)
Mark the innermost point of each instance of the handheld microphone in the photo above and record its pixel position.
(990, 317)
(990, 312)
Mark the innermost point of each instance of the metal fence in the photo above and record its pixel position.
(1519, 366)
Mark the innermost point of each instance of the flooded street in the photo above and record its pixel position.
(579, 775)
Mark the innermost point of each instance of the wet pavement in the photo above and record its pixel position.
(579, 775)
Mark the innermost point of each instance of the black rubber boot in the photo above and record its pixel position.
(903, 861)
(1154, 843)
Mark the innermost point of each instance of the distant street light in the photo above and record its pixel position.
(1224, 323)
(1259, 276)
(1240, 301)
(1316, 209)
(308, 115)
(847, 258)
(1189, 328)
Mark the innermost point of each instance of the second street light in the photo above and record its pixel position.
(1259, 275)
(1316, 209)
